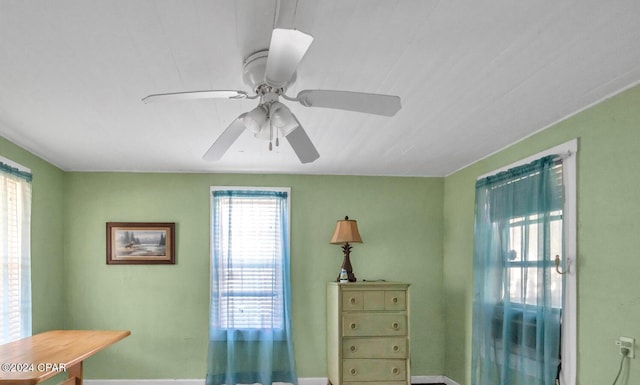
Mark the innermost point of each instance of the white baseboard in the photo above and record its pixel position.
(449, 381)
(432, 380)
(312, 381)
(301, 381)
(144, 382)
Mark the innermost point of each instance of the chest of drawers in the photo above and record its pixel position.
(368, 333)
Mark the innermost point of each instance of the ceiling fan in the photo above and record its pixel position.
(269, 73)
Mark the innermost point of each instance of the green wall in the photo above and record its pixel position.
(418, 230)
(166, 307)
(47, 256)
(47, 252)
(608, 242)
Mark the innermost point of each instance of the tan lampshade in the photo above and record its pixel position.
(346, 232)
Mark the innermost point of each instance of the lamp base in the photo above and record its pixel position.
(346, 264)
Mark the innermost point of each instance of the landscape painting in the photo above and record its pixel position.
(140, 243)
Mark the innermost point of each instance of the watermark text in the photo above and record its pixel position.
(20, 367)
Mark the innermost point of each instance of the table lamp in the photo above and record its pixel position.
(346, 232)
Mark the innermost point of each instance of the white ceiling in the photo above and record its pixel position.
(474, 76)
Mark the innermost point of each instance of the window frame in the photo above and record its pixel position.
(277, 331)
(568, 151)
(25, 320)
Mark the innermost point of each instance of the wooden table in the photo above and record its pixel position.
(34, 359)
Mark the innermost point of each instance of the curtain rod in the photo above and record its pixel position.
(13, 164)
(564, 150)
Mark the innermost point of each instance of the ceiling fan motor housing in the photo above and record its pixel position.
(253, 73)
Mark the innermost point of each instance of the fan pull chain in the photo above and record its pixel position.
(270, 136)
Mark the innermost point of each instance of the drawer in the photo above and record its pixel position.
(374, 370)
(374, 300)
(374, 347)
(374, 324)
(352, 300)
(395, 300)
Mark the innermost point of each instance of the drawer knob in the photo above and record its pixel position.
(396, 371)
(396, 348)
(352, 300)
(353, 371)
(353, 325)
(353, 348)
(395, 300)
(395, 326)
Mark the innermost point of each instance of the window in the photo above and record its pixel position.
(15, 258)
(525, 263)
(248, 237)
(524, 309)
(250, 335)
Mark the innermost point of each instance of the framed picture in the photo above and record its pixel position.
(140, 243)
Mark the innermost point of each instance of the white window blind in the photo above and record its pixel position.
(247, 270)
(15, 259)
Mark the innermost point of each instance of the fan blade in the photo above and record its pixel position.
(220, 94)
(225, 140)
(386, 105)
(286, 50)
(301, 144)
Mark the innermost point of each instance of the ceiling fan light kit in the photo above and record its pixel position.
(255, 119)
(269, 73)
(282, 118)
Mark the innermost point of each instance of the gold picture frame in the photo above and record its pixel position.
(141, 243)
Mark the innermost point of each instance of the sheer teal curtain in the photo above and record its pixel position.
(15, 254)
(250, 339)
(517, 291)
